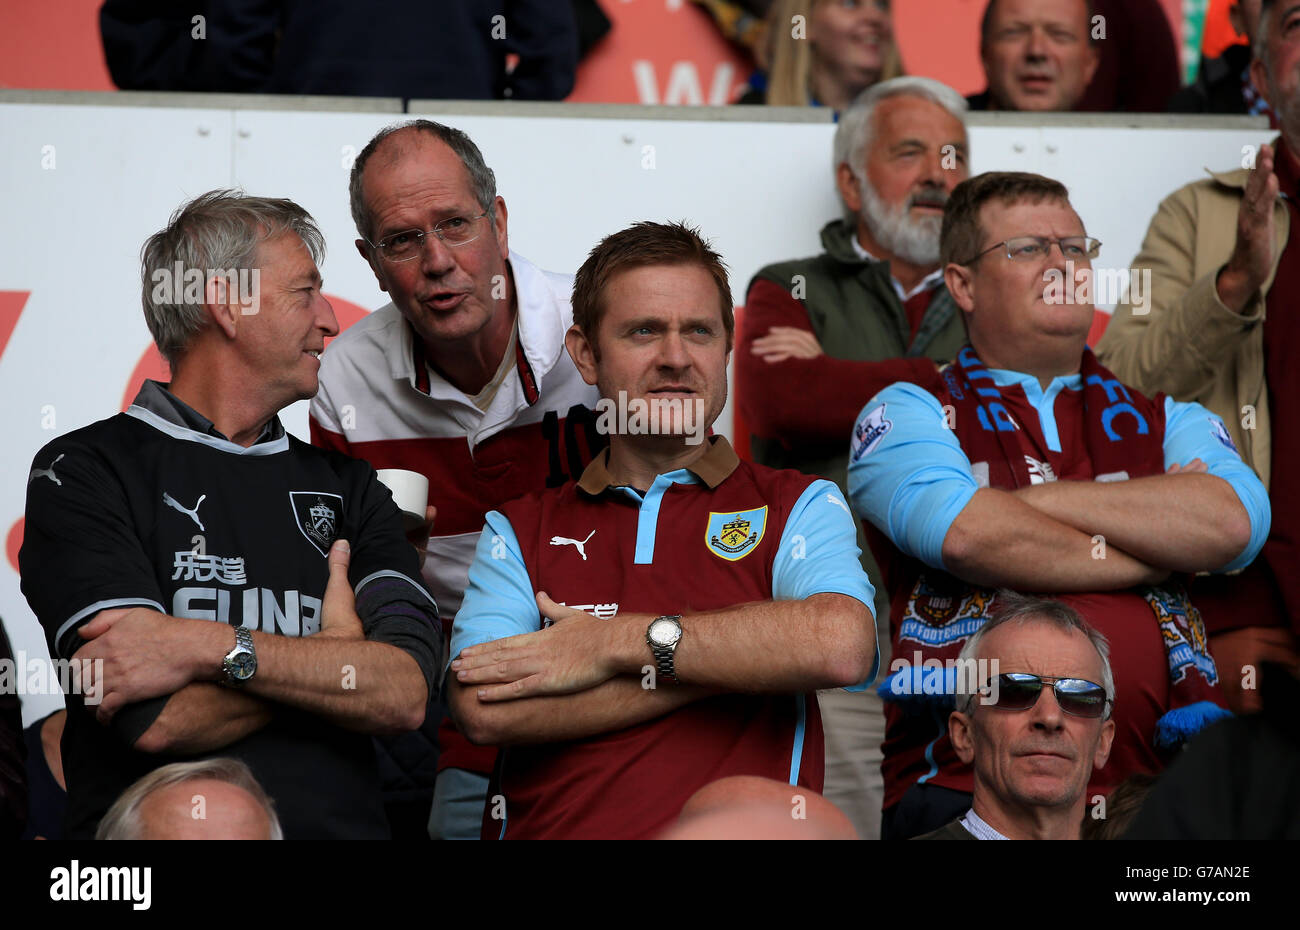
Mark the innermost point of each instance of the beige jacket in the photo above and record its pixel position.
(1190, 345)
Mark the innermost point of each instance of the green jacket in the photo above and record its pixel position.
(856, 315)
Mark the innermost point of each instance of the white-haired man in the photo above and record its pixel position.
(821, 335)
(1032, 748)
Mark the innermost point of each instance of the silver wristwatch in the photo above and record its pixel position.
(663, 636)
(241, 662)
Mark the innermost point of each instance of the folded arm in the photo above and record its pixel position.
(808, 395)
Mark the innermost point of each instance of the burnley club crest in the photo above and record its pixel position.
(734, 535)
(317, 515)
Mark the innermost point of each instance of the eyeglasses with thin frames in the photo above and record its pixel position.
(407, 244)
(1037, 248)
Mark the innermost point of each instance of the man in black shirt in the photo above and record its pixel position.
(151, 534)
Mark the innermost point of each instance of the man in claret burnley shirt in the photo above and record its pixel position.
(661, 622)
(245, 594)
(821, 335)
(1033, 468)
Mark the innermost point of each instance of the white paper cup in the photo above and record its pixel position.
(410, 493)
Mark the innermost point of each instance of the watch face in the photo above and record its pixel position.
(243, 666)
(665, 632)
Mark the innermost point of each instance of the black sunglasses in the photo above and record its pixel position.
(1019, 691)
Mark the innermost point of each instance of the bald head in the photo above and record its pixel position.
(750, 807)
(203, 809)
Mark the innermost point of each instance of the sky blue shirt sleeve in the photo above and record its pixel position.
(908, 474)
(819, 554)
(499, 601)
(1192, 432)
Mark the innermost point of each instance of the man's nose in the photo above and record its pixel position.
(672, 352)
(436, 258)
(326, 321)
(1046, 712)
(1036, 47)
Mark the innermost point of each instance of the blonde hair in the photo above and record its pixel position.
(789, 60)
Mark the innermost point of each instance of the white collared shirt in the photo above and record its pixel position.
(933, 279)
(978, 828)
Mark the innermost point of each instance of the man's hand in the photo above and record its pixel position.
(1234, 650)
(1195, 466)
(576, 653)
(783, 342)
(1252, 256)
(144, 656)
(338, 612)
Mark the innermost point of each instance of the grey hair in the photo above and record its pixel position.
(216, 233)
(1023, 608)
(123, 821)
(482, 181)
(853, 134)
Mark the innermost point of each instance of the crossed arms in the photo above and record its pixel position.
(583, 675)
(360, 685)
(1207, 513)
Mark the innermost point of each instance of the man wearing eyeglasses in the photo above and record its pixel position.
(464, 378)
(1037, 727)
(1034, 468)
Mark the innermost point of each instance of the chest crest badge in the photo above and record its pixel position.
(317, 515)
(735, 534)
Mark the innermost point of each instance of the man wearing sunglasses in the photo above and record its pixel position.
(463, 378)
(1034, 468)
(1037, 728)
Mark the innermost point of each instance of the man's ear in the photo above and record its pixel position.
(1103, 745)
(372, 260)
(1259, 78)
(963, 740)
(582, 352)
(503, 241)
(1090, 69)
(960, 281)
(221, 304)
(846, 182)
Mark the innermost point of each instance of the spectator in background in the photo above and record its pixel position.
(463, 377)
(1220, 328)
(448, 50)
(47, 796)
(13, 773)
(1034, 468)
(1223, 84)
(824, 53)
(1037, 54)
(821, 335)
(1041, 725)
(1112, 821)
(1089, 55)
(212, 799)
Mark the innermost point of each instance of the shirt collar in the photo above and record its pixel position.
(157, 399)
(931, 280)
(712, 468)
(978, 828)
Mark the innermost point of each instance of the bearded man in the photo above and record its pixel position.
(822, 335)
